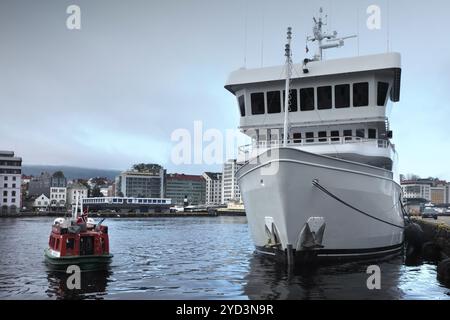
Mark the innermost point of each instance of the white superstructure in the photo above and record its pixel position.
(318, 178)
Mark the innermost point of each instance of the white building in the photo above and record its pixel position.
(230, 188)
(41, 202)
(72, 191)
(58, 197)
(213, 188)
(416, 190)
(10, 182)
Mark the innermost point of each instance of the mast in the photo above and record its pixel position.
(288, 55)
(320, 36)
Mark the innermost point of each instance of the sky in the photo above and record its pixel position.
(111, 94)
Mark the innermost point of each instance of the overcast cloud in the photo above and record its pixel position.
(111, 94)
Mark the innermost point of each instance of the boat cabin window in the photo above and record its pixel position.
(257, 103)
(348, 134)
(70, 244)
(241, 101)
(361, 133)
(383, 88)
(342, 96)
(324, 98)
(273, 102)
(307, 99)
(361, 94)
(372, 133)
(57, 244)
(309, 137)
(322, 136)
(334, 136)
(297, 138)
(293, 101)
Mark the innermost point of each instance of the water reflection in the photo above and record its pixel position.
(268, 280)
(93, 285)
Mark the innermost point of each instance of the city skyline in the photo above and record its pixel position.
(121, 85)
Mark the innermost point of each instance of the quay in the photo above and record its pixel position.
(108, 214)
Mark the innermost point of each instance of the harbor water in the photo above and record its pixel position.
(194, 258)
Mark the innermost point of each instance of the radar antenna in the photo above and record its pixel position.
(319, 35)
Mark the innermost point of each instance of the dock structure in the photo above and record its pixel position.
(127, 204)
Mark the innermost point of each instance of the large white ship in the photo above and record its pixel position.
(319, 180)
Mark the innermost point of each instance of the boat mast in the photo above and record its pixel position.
(288, 55)
(320, 36)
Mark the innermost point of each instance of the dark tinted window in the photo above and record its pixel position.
(372, 133)
(273, 102)
(348, 134)
(257, 103)
(383, 88)
(307, 99)
(309, 137)
(324, 98)
(241, 100)
(293, 105)
(361, 94)
(322, 136)
(297, 137)
(334, 135)
(360, 133)
(342, 96)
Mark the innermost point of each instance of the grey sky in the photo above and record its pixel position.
(110, 95)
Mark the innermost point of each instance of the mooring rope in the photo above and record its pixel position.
(316, 184)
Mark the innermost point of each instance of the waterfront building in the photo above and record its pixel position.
(181, 186)
(432, 190)
(40, 185)
(416, 190)
(41, 203)
(230, 187)
(58, 198)
(10, 182)
(73, 190)
(127, 204)
(141, 184)
(213, 188)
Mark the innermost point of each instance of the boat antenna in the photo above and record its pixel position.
(288, 54)
(320, 36)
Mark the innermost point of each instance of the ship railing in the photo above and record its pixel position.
(267, 144)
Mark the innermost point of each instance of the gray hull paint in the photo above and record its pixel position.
(278, 184)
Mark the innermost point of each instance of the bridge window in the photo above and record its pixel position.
(334, 136)
(372, 133)
(322, 136)
(273, 102)
(361, 133)
(297, 138)
(361, 94)
(241, 101)
(257, 103)
(293, 102)
(348, 134)
(342, 96)
(309, 137)
(307, 99)
(383, 88)
(324, 98)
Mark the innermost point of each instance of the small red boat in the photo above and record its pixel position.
(78, 240)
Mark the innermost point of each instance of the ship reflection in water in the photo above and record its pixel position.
(194, 258)
(400, 279)
(93, 285)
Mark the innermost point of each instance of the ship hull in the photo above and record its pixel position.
(280, 198)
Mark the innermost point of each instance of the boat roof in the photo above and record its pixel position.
(378, 62)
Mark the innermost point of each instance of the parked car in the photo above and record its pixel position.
(430, 213)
